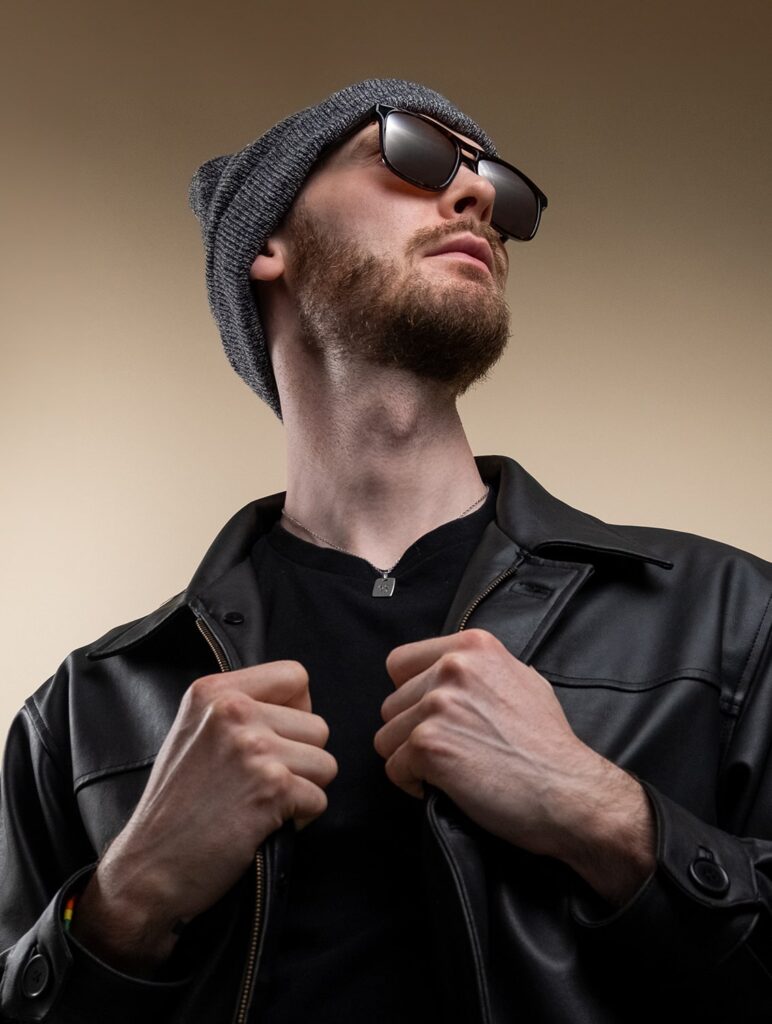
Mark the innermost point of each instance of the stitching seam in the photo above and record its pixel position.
(113, 769)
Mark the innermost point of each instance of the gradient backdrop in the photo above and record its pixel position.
(636, 385)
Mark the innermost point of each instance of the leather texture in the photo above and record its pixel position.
(658, 647)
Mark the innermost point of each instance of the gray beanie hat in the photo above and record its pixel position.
(241, 198)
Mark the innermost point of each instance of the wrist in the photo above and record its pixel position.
(123, 929)
(609, 835)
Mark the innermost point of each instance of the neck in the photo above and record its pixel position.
(375, 459)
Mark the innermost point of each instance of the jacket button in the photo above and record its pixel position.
(36, 976)
(709, 876)
(233, 618)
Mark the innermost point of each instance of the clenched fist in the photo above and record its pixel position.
(474, 721)
(244, 754)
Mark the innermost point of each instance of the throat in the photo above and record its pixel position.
(373, 488)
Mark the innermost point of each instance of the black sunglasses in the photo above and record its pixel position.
(428, 155)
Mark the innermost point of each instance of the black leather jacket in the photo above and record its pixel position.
(658, 646)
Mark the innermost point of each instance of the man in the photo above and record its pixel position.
(418, 742)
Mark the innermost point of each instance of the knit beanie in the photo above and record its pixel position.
(241, 198)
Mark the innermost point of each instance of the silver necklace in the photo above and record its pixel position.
(384, 586)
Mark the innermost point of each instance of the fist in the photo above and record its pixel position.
(474, 721)
(244, 754)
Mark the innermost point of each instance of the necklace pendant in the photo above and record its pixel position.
(384, 586)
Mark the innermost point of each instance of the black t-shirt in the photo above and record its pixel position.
(351, 942)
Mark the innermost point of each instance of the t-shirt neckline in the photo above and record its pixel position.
(442, 537)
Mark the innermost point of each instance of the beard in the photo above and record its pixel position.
(360, 306)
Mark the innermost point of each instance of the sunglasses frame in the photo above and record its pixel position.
(466, 152)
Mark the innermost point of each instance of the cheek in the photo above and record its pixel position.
(381, 219)
(384, 229)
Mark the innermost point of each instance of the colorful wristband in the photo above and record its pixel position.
(69, 908)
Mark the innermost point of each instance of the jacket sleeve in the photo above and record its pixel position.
(44, 854)
(702, 923)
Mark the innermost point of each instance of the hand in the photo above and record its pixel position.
(470, 719)
(244, 754)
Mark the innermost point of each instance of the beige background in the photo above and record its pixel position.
(636, 385)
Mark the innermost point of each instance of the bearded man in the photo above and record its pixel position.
(418, 742)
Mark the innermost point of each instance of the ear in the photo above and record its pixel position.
(269, 263)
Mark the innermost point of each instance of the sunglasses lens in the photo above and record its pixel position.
(414, 149)
(516, 206)
(417, 151)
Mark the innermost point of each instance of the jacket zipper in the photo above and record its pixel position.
(222, 661)
(249, 970)
(491, 586)
(455, 871)
(242, 1005)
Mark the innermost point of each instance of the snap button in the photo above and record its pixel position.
(233, 618)
(709, 876)
(35, 977)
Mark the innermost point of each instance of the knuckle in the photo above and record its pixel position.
(319, 801)
(451, 666)
(321, 729)
(426, 738)
(228, 709)
(331, 768)
(391, 657)
(254, 743)
(438, 701)
(275, 781)
(392, 772)
(201, 690)
(296, 672)
(379, 744)
(476, 639)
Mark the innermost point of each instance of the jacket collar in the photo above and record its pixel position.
(529, 515)
(228, 550)
(541, 524)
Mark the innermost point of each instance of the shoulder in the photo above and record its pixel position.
(110, 702)
(717, 598)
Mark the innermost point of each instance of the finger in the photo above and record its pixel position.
(406, 696)
(292, 724)
(397, 731)
(408, 660)
(399, 771)
(309, 803)
(306, 762)
(275, 682)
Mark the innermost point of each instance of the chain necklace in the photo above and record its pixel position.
(384, 586)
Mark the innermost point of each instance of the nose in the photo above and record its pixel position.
(469, 194)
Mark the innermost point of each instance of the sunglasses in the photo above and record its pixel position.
(428, 155)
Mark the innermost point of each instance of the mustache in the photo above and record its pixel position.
(425, 237)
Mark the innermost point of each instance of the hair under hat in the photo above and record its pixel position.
(241, 198)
